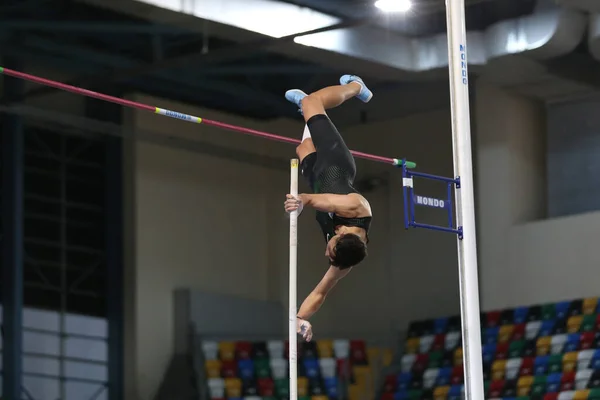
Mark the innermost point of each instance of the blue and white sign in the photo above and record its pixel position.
(429, 201)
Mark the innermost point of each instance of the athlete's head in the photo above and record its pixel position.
(346, 250)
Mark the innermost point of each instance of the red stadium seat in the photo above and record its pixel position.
(551, 396)
(243, 350)
(421, 363)
(457, 376)
(390, 384)
(502, 351)
(387, 396)
(567, 381)
(492, 318)
(496, 388)
(266, 387)
(358, 352)
(229, 369)
(344, 368)
(439, 342)
(527, 366)
(587, 340)
(518, 332)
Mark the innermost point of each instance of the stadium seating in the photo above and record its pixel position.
(543, 352)
(327, 369)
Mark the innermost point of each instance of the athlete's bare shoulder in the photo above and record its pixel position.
(363, 205)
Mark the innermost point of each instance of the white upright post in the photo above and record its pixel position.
(293, 341)
(465, 204)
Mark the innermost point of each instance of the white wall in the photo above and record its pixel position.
(190, 208)
(554, 260)
(523, 258)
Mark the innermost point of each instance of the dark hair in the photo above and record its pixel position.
(350, 250)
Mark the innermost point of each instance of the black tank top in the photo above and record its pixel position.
(328, 222)
(336, 180)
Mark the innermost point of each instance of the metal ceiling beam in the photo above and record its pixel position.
(197, 59)
(89, 27)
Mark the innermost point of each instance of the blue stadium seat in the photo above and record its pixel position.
(562, 309)
(595, 363)
(311, 367)
(401, 395)
(246, 369)
(553, 382)
(491, 335)
(540, 366)
(547, 328)
(455, 392)
(520, 315)
(440, 325)
(331, 387)
(489, 352)
(573, 340)
(404, 380)
(443, 377)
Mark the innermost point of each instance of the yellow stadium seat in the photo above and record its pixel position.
(505, 333)
(458, 357)
(302, 386)
(569, 361)
(574, 323)
(581, 394)
(524, 385)
(374, 355)
(355, 392)
(233, 387)
(543, 345)
(319, 398)
(498, 370)
(363, 377)
(325, 348)
(441, 392)
(213, 368)
(412, 346)
(227, 351)
(388, 357)
(589, 305)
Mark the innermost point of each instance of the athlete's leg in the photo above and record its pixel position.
(307, 146)
(330, 97)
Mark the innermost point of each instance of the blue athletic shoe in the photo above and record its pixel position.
(365, 94)
(295, 96)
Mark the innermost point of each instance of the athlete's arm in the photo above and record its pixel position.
(343, 205)
(316, 298)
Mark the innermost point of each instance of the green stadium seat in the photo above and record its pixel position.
(515, 349)
(262, 368)
(282, 388)
(588, 323)
(594, 394)
(548, 311)
(538, 388)
(435, 359)
(555, 363)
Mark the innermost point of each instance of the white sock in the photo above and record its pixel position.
(306, 134)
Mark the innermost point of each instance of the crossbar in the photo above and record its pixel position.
(186, 117)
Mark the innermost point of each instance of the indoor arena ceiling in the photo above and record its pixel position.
(222, 55)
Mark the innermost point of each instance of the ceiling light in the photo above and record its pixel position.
(391, 6)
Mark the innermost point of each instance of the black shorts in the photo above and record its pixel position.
(331, 169)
